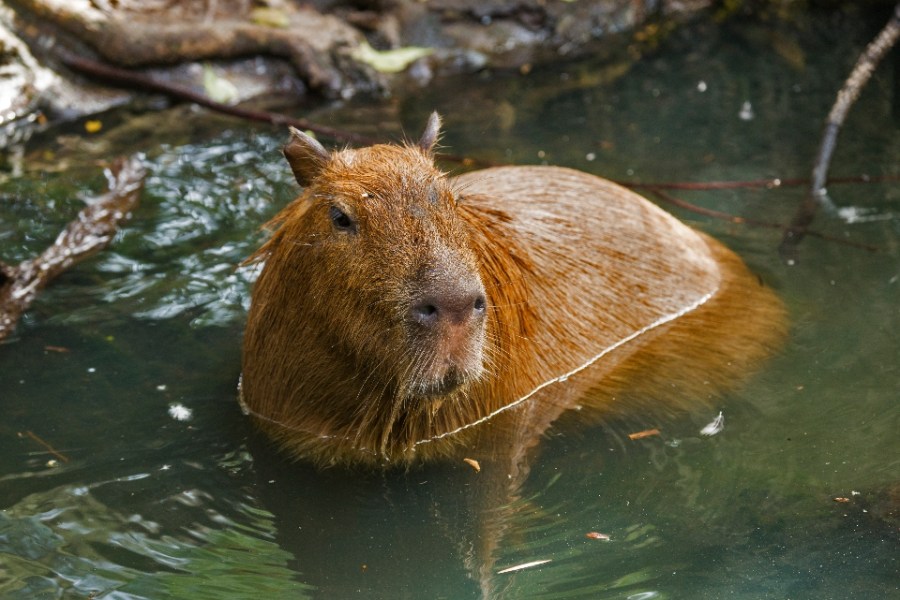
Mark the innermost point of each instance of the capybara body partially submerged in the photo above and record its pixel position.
(401, 314)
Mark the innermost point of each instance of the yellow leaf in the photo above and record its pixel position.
(389, 61)
(269, 17)
(218, 88)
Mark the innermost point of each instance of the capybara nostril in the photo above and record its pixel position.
(452, 309)
(425, 313)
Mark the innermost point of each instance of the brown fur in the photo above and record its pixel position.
(581, 276)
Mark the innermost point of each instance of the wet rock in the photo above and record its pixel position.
(282, 46)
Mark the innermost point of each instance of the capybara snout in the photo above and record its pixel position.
(446, 328)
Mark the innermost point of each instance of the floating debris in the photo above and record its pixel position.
(34, 437)
(527, 565)
(180, 412)
(639, 435)
(716, 426)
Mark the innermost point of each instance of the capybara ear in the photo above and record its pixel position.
(431, 133)
(306, 156)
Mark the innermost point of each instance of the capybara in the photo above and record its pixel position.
(400, 313)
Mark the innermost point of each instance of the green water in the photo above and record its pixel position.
(151, 507)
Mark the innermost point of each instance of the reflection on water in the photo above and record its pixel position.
(143, 535)
(149, 507)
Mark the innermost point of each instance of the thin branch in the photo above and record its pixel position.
(723, 216)
(34, 437)
(129, 79)
(126, 78)
(846, 97)
(91, 231)
(768, 184)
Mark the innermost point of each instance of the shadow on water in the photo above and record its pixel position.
(148, 506)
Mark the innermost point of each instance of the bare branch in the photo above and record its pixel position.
(129, 79)
(91, 231)
(663, 195)
(848, 94)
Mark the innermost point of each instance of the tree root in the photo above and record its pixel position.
(317, 45)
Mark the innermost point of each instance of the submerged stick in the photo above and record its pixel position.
(91, 231)
(33, 436)
(846, 97)
(767, 184)
(723, 216)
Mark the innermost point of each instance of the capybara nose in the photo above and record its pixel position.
(452, 308)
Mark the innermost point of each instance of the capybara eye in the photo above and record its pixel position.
(341, 220)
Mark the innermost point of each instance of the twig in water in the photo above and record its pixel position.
(848, 94)
(723, 216)
(775, 182)
(30, 434)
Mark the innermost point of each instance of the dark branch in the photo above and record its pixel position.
(129, 79)
(722, 216)
(91, 231)
(848, 94)
(704, 186)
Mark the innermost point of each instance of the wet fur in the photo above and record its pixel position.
(571, 264)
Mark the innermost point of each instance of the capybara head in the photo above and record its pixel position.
(372, 268)
(386, 251)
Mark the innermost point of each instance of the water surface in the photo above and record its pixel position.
(146, 506)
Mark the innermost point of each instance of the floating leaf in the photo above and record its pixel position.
(715, 426)
(180, 412)
(389, 61)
